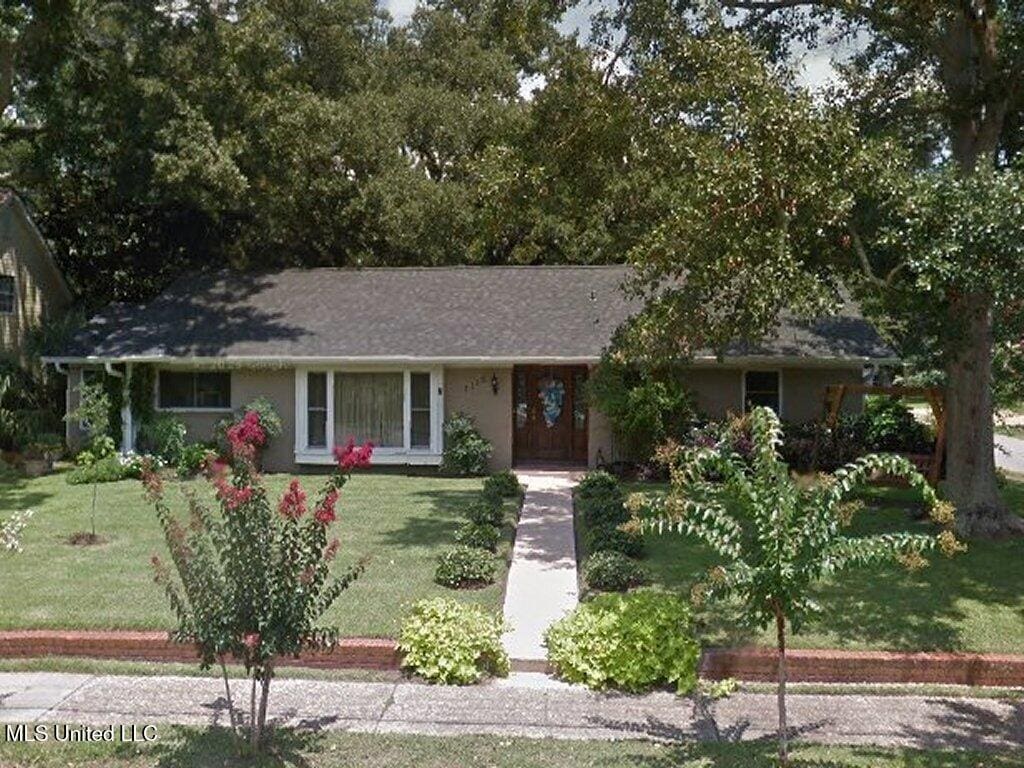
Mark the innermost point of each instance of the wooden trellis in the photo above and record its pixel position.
(836, 393)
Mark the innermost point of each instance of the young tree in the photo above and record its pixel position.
(775, 536)
(93, 413)
(253, 581)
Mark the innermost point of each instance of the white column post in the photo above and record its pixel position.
(127, 433)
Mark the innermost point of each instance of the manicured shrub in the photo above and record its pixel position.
(504, 484)
(466, 452)
(595, 483)
(106, 470)
(610, 571)
(193, 458)
(632, 642)
(480, 536)
(447, 642)
(164, 436)
(889, 425)
(463, 567)
(606, 510)
(608, 538)
(487, 510)
(267, 417)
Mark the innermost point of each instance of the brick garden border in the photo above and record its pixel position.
(349, 653)
(838, 666)
(748, 664)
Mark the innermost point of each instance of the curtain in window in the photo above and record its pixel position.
(369, 406)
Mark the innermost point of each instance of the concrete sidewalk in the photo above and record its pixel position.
(542, 583)
(524, 705)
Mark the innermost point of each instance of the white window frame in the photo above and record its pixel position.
(743, 387)
(156, 392)
(14, 296)
(404, 454)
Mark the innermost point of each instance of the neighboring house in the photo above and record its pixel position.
(387, 354)
(32, 288)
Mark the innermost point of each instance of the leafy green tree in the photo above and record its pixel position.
(770, 201)
(93, 413)
(776, 537)
(253, 581)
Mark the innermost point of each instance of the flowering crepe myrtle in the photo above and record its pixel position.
(253, 582)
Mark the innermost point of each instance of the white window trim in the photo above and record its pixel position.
(156, 393)
(743, 387)
(405, 454)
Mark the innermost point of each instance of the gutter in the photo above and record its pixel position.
(286, 361)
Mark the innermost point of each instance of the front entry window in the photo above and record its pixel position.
(399, 411)
(369, 406)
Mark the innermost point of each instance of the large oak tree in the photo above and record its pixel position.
(899, 185)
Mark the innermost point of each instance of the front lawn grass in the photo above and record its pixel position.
(401, 523)
(972, 602)
(189, 747)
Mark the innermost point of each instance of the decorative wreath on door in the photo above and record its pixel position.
(552, 397)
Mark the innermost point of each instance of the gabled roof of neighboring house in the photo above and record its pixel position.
(439, 314)
(9, 199)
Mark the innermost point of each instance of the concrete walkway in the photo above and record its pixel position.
(542, 584)
(1010, 453)
(519, 707)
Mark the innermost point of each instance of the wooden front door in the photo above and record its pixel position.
(549, 415)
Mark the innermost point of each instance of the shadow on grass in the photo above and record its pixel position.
(210, 747)
(16, 494)
(437, 527)
(967, 603)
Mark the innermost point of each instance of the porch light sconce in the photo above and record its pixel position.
(494, 383)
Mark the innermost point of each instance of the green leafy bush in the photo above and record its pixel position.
(487, 510)
(889, 425)
(447, 642)
(644, 407)
(608, 538)
(463, 567)
(610, 571)
(109, 469)
(596, 483)
(503, 484)
(164, 436)
(466, 452)
(603, 511)
(267, 417)
(192, 459)
(480, 536)
(633, 642)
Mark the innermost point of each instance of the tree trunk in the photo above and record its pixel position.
(970, 465)
(261, 719)
(780, 631)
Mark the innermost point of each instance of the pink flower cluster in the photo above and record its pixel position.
(325, 514)
(293, 503)
(350, 456)
(229, 494)
(246, 436)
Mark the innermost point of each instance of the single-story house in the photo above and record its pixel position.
(32, 288)
(386, 354)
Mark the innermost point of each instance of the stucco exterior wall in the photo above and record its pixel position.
(468, 390)
(278, 386)
(803, 391)
(38, 290)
